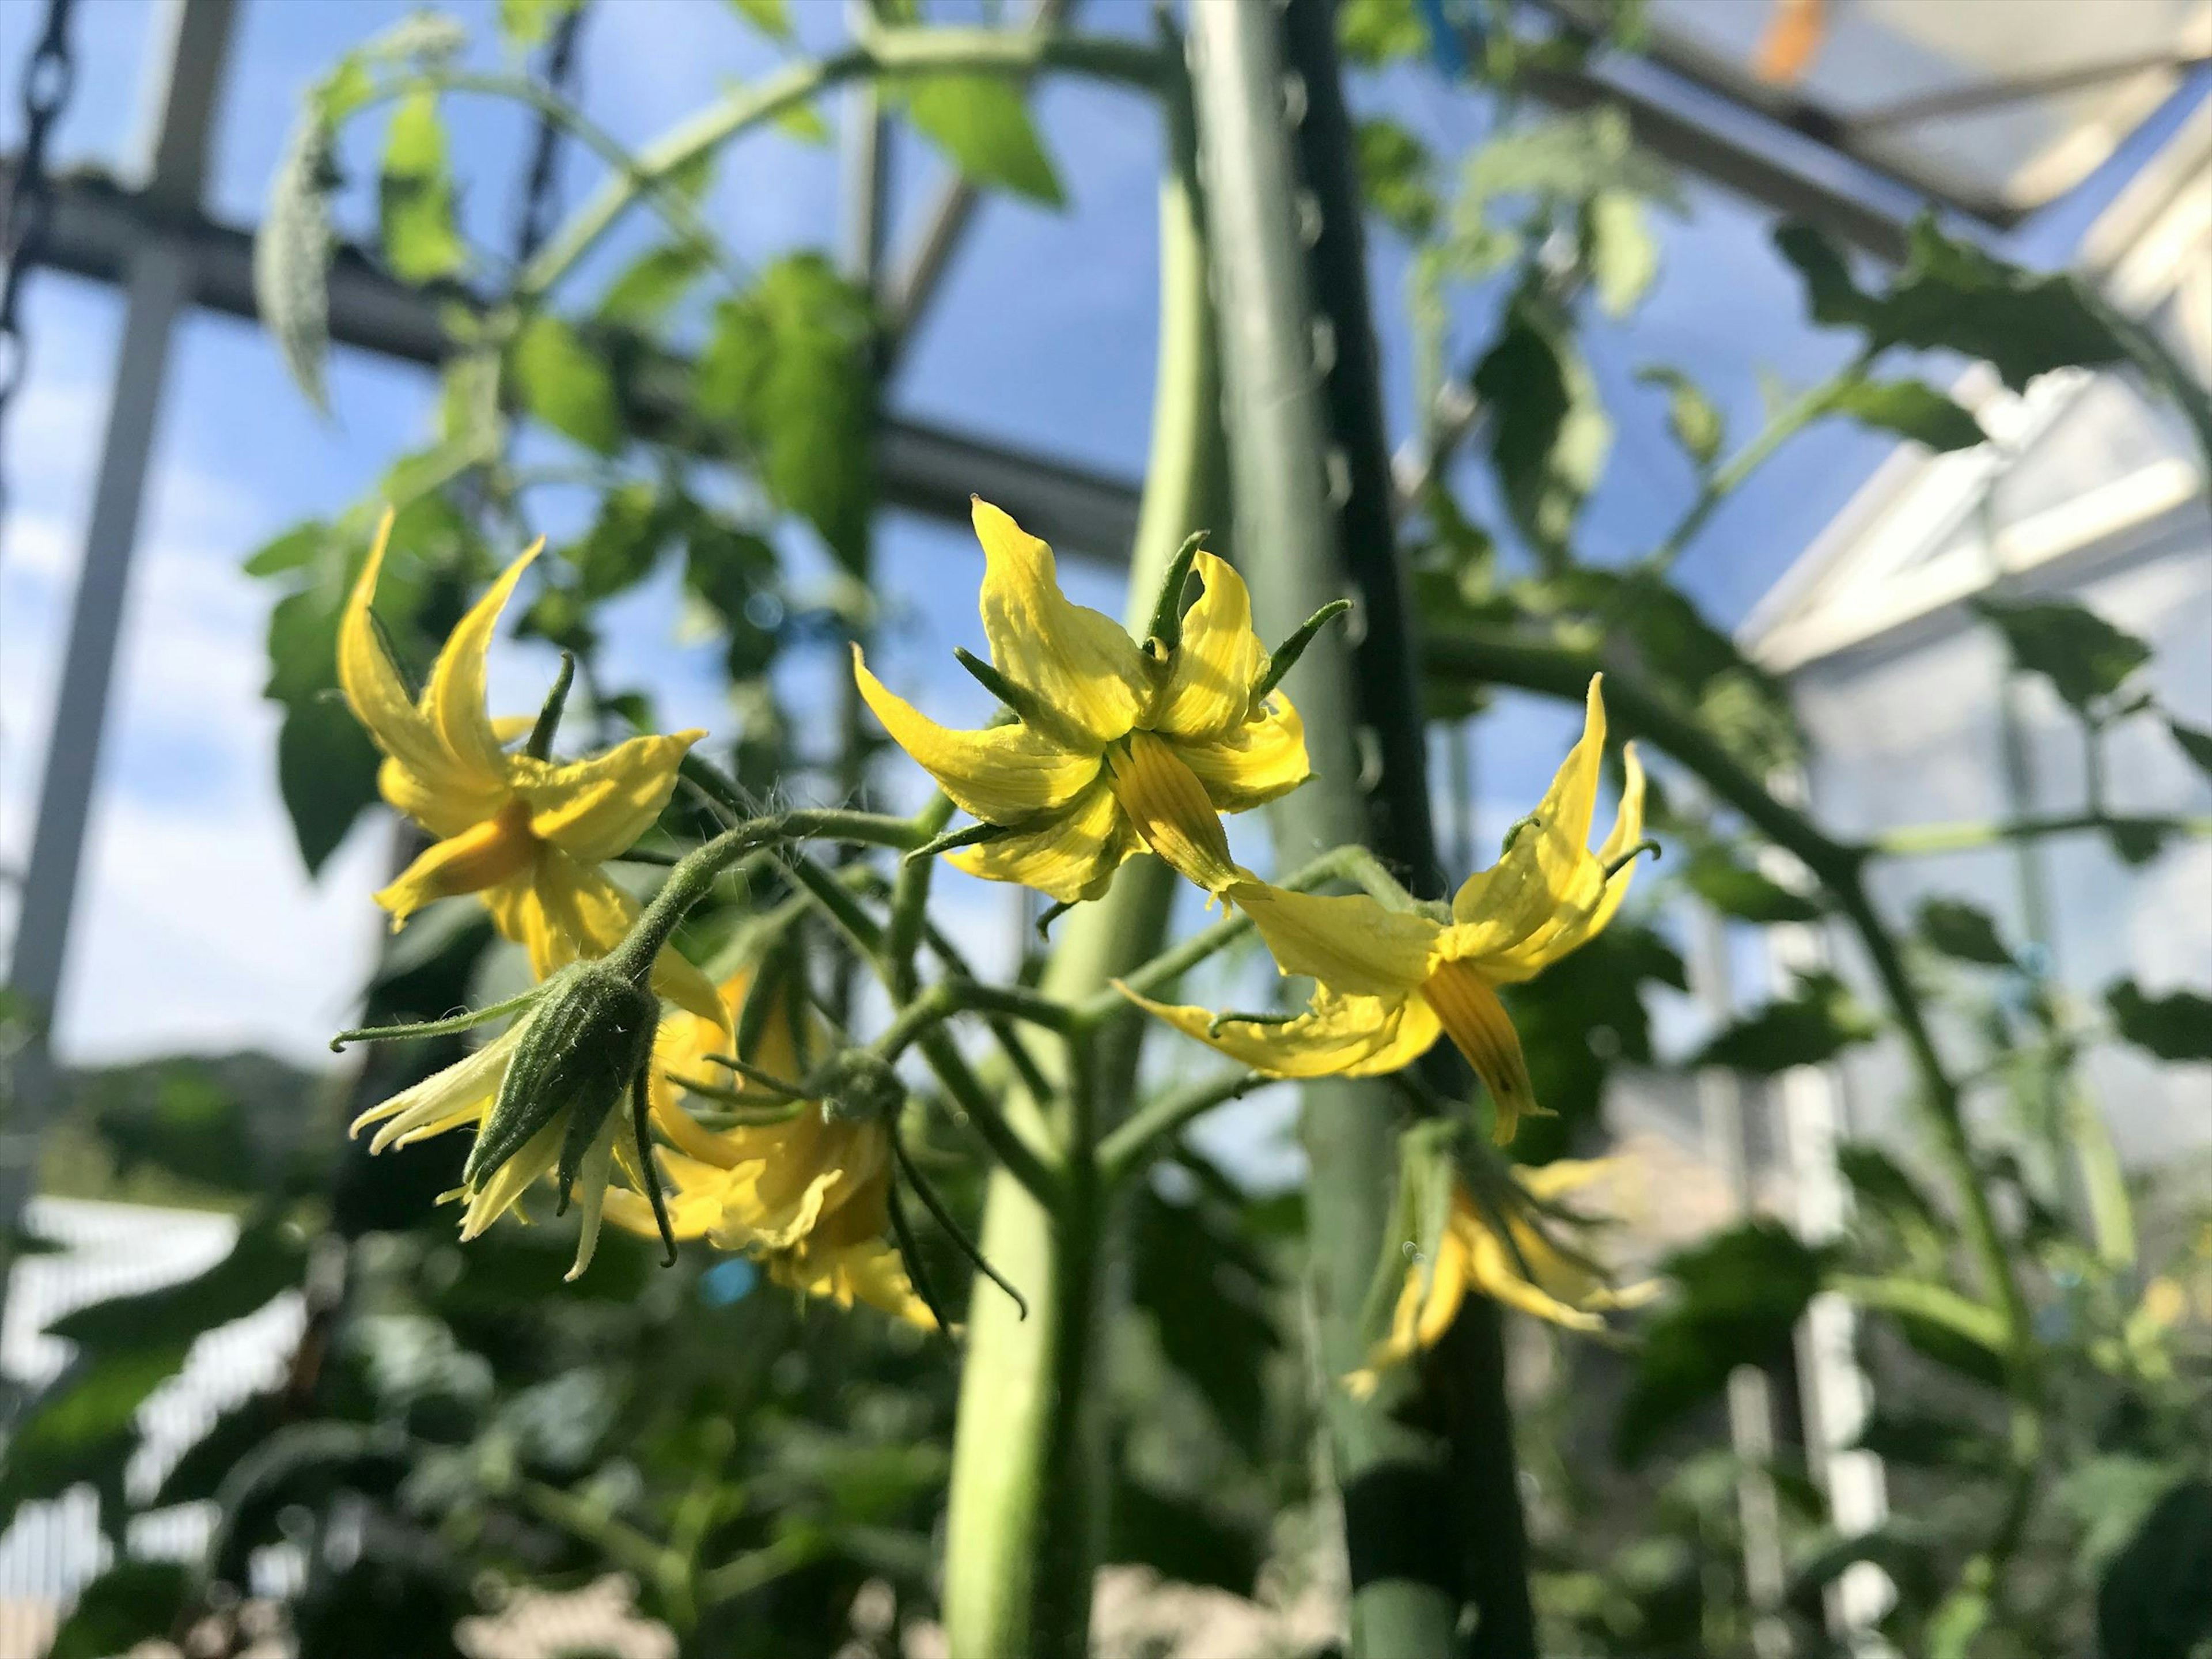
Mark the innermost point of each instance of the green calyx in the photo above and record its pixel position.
(855, 1086)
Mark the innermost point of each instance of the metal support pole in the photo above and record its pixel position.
(185, 80)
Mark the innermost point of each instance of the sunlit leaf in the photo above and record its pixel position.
(981, 122)
(1818, 1021)
(1910, 409)
(1395, 169)
(1622, 252)
(564, 385)
(771, 17)
(415, 195)
(2084, 657)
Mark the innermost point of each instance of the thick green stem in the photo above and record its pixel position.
(1432, 1508)
(1028, 1504)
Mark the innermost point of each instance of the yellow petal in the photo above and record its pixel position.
(1168, 807)
(565, 909)
(1350, 943)
(503, 1186)
(596, 809)
(454, 699)
(1479, 1028)
(1337, 1037)
(485, 854)
(1251, 764)
(1217, 662)
(1550, 847)
(1069, 856)
(1005, 774)
(1077, 661)
(460, 1094)
(433, 803)
(1427, 1304)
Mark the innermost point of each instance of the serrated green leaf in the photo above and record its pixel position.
(1736, 890)
(1963, 931)
(1690, 417)
(1911, 410)
(2177, 1026)
(771, 17)
(1549, 433)
(1622, 252)
(565, 386)
(527, 24)
(132, 1603)
(655, 281)
(1394, 177)
(415, 195)
(326, 774)
(292, 255)
(1816, 1022)
(981, 122)
(790, 368)
(2084, 657)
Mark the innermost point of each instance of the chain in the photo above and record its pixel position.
(49, 77)
(541, 193)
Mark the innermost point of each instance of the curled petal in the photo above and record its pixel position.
(1169, 809)
(1004, 775)
(454, 698)
(1079, 662)
(1349, 943)
(485, 854)
(1338, 1036)
(460, 1094)
(1549, 849)
(1479, 1028)
(1213, 672)
(1428, 1302)
(1070, 856)
(1261, 759)
(596, 809)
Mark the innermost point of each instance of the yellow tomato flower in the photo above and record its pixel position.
(810, 1194)
(1557, 1285)
(1115, 747)
(526, 835)
(1391, 981)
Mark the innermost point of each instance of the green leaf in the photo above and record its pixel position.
(2084, 657)
(1374, 33)
(326, 774)
(1740, 1294)
(198, 1474)
(624, 542)
(1880, 1184)
(2195, 743)
(1622, 253)
(1690, 416)
(527, 24)
(266, 1259)
(1549, 433)
(415, 195)
(2156, 1597)
(981, 122)
(2177, 1026)
(294, 549)
(1963, 931)
(1736, 890)
(80, 1429)
(1568, 160)
(1818, 1022)
(1927, 1440)
(805, 124)
(292, 254)
(565, 386)
(1394, 178)
(729, 570)
(650, 289)
(131, 1602)
(1579, 1020)
(771, 17)
(791, 368)
(1911, 410)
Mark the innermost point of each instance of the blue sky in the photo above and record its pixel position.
(196, 927)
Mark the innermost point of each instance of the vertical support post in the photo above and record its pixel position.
(193, 38)
(1432, 1506)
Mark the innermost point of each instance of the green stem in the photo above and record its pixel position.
(889, 52)
(1028, 1510)
(1923, 838)
(1141, 1137)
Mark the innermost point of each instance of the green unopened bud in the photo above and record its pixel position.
(859, 1087)
(589, 1035)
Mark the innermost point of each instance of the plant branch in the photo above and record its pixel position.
(1141, 1137)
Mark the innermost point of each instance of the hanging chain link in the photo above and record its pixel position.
(541, 191)
(49, 77)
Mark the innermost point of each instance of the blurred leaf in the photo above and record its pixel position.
(326, 772)
(624, 542)
(1908, 1557)
(2177, 1026)
(2195, 744)
(130, 1602)
(1568, 159)
(791, 368)
(1690, 416)
(563, 384)
(650, 288)
(1622, 252)
(981, 122)
(1951, 297)
(524, 24)
(266, 1259)
(2156, 1600)
(2084, 657)
(1181, 1538)
(1925, 1440)
(415, 195)
(771, 17)
(1373, 32)
(182, 1117)
(733, 574)
(300, 1463)
(1206, 1290)
(805, 125)
(1963, 931)
(1816, 1022)
(1578, 1019)
(2134, 840)
(403, 1593)
(82, 1428)
(1736, 890)
(1910, 409)
(297, 547)
(198, 1474)
(1740, 1295)
(1549, 433)
(1394, 177)
(1880, 1184)
(292, 253)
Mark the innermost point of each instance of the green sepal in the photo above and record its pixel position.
(590, 1034)
(1167, 610)
(540, 746)
(1287, 653)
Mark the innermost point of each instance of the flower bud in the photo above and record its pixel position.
(859, 1087)
(583, 1043)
